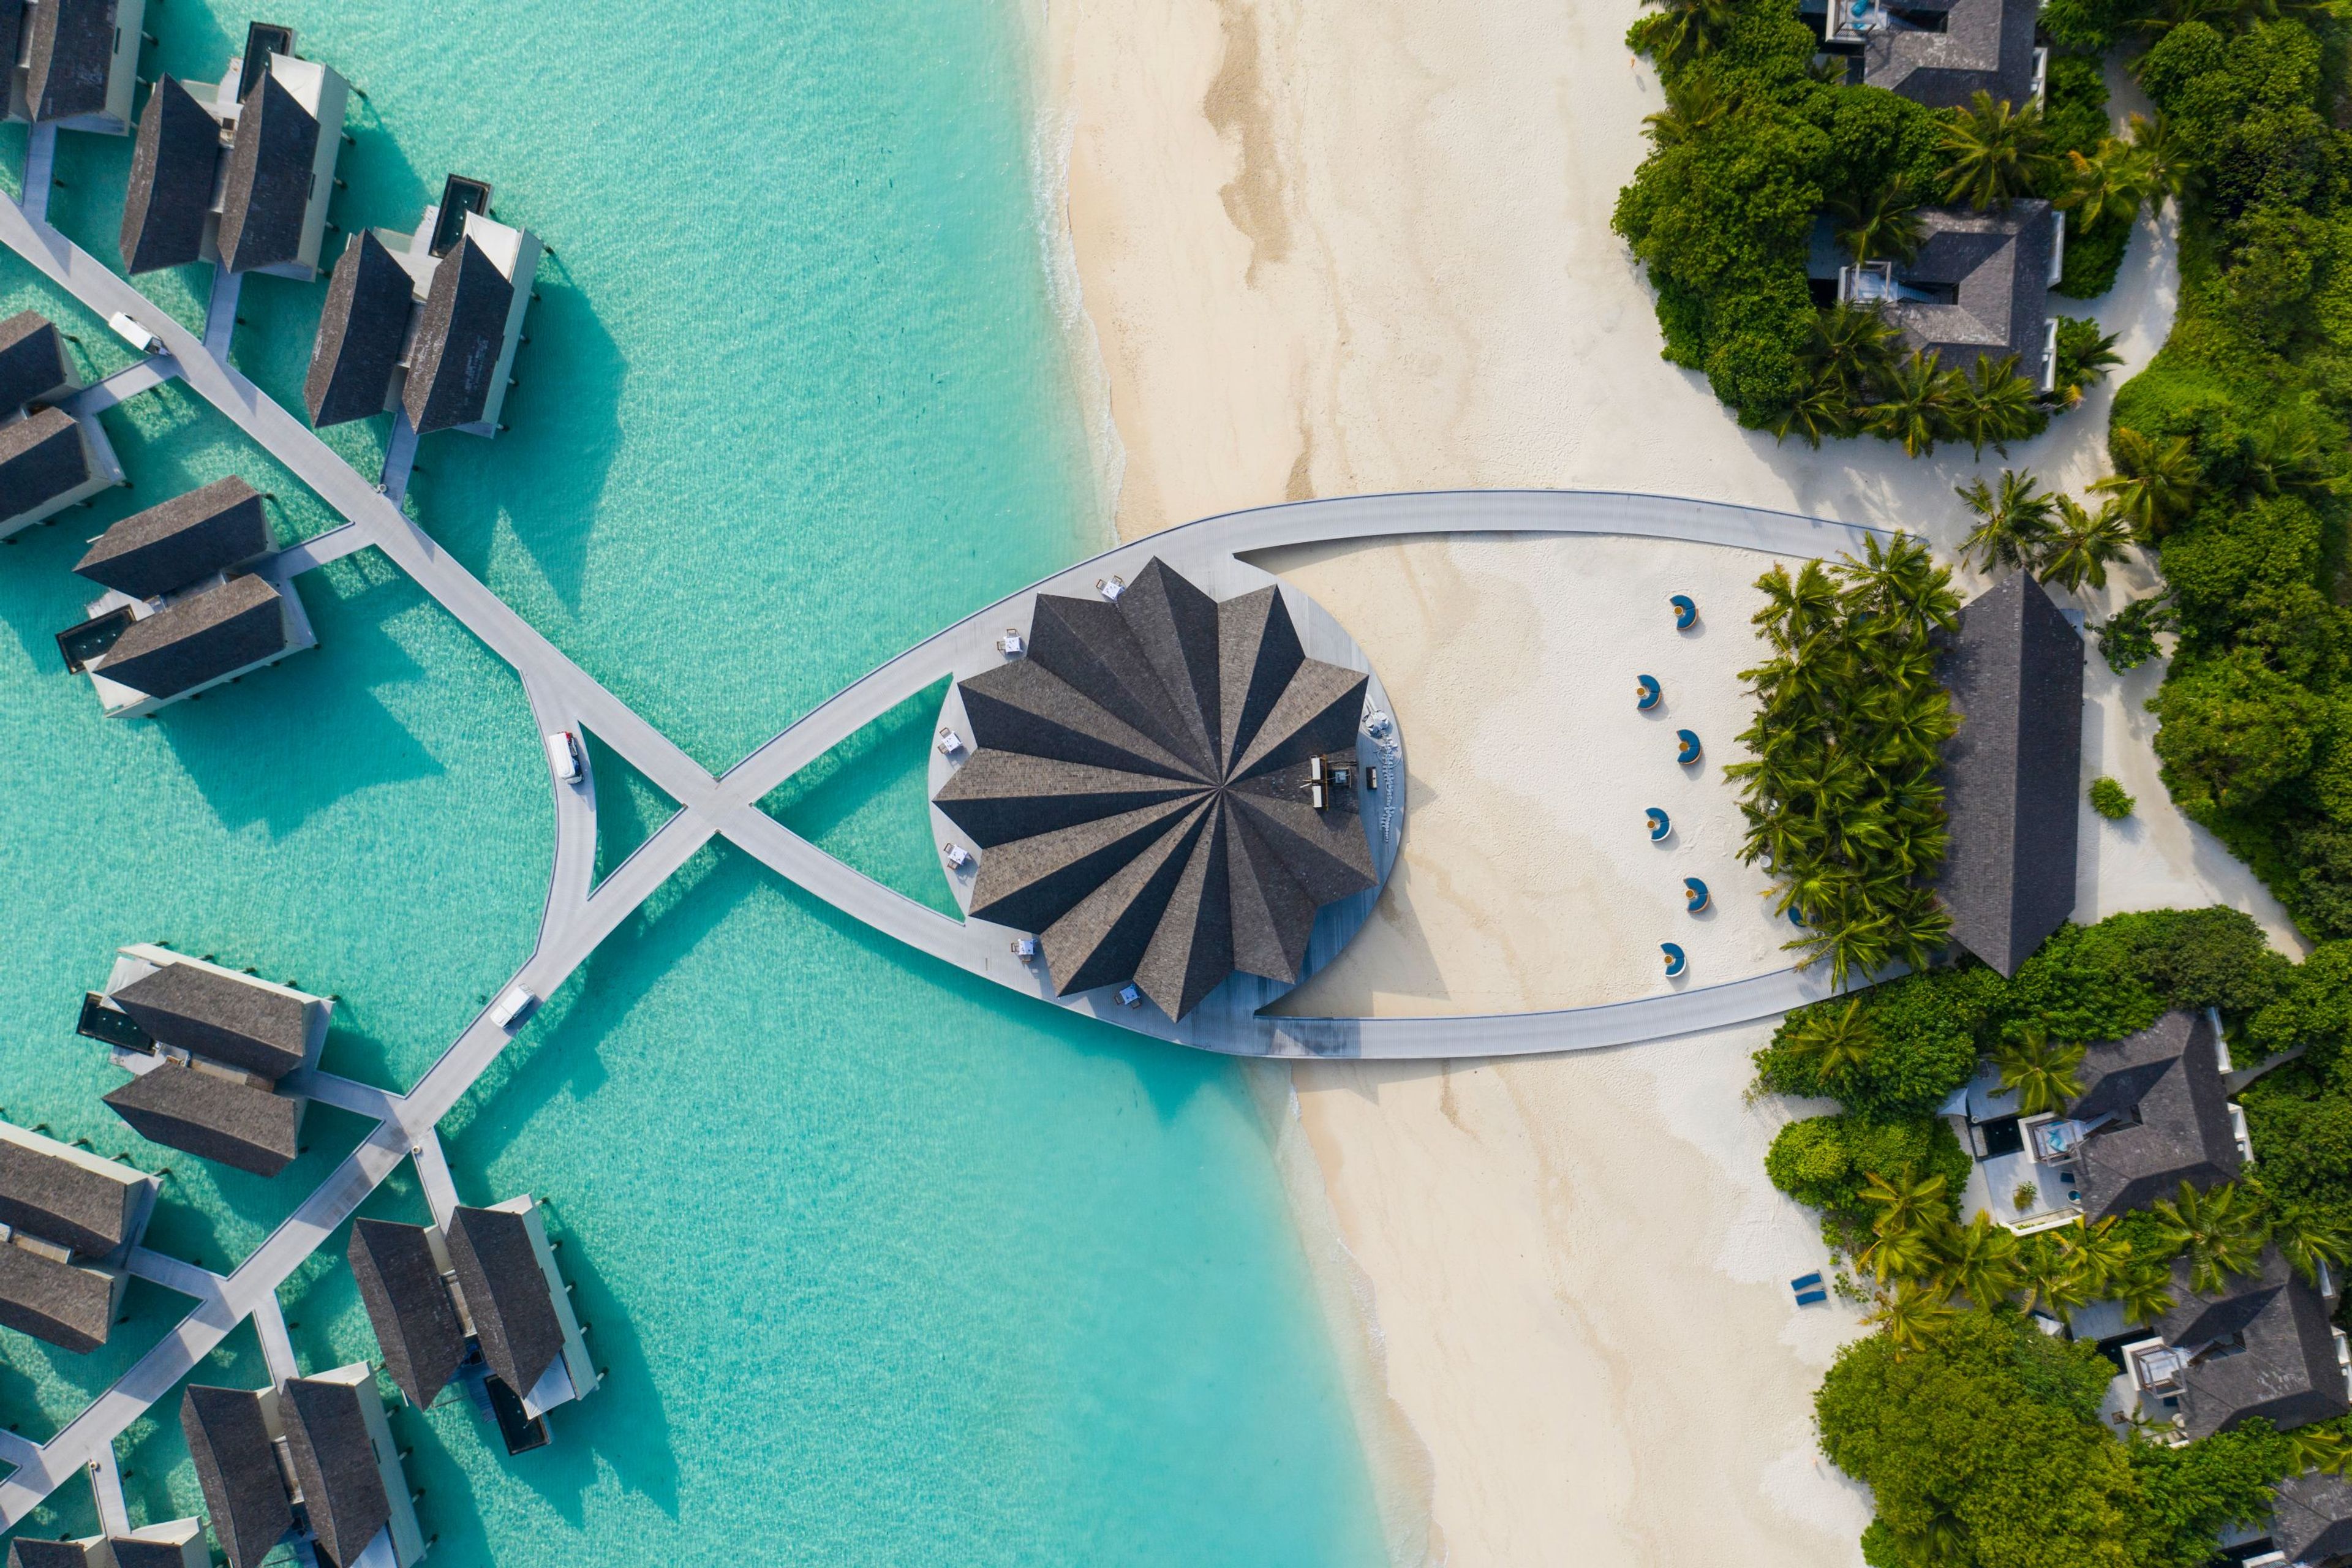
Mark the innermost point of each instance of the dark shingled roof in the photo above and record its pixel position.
(73, 45)
(245, 1492)
(172, 167)
(32, 360)
(188, 537)
(2015, 673)
(269, 177)
(2162, 1088)
(2311, 1517)
(1139, 788)
(506, 1295)
(2261, 1346)
(41, 459)
(409, 1306)
(1986, 46)
(130, 1553)
(217, 1118)
(69, 1306)
(27, 1553)
(199, 639)
(343, 1491)
(62, 1201)
(360, 331)
(1997, 266)
(12, 31)
(225, 1017)
(458, 339)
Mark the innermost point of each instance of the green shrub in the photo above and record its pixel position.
(1822, 1162)
(2127, 640)
(2110, 799)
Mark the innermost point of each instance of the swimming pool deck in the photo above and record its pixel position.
(576, 918)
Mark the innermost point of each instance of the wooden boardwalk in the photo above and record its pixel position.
(575, 919)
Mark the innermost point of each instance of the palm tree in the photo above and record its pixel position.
(1917, 408)
(2083, 545)
(1824, 409)
(1900, 1254)
(2284, 457)
(1980, 1261)
(2163, 159)
(2085, 354)
(2099, 1251)
(1833, 1040)
(1693, 107)
(1941, 1543)
(2056, 1279)
(1901, 582)
(2220, 1231)
(1685, 29)
(1995, 152)
(1907, 1203)
(2144, 1291)
(1996, 405)
(1852, 345)
(2110, 184)
(2324, 1448)
(2312, 1242)
(2011, 525)
(1909, 1315)
(2041, 1069)
(1882, 224)
(2154, 482)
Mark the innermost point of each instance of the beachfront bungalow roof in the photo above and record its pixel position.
(1139, 788)
(66, 1304)
(1980, 284)
(506, 1294)
(2311, 1517)
(214, 1117)
(186, 539)
(228, 1018)
(41, 459)
(361, 330)
(2157, 1116)
(2015, 674)
(408, 1305)
(2261, 1346)
(342, 1489)
(1940, 52)
(69, 58)
(87, 1204)
(271, 168)
(33, 366)
(199, 639)
(459, 337)
(236, 1466)
(172, 164)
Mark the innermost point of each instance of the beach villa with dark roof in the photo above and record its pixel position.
(479, 1303)
(50, 458)
(1980, 284)
(1937, 52)
(314, 1458)
(2261, 1346)
(193, 600)
(237, 171)
(75, 61)
(179, 1544)
(68, 1220)
(2310, 1522)
(206, 1047)
(426, 323)
(2011, 774)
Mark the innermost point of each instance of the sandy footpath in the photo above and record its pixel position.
(1323, 248)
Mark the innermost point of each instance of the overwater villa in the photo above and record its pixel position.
(2259, 1347)
(206, 1047)
(49, 459)
(1936, 52)
(479, 1303)
(2154, 1112)
(76, 61)
(179, 1544)
(239, 170)
(311, 1459)
(425, 324)
(2011, 774)
(68, 1220)
(193, 600)
(1165, 789)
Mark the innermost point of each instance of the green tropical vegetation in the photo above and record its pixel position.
(1753, 146)
(1838, 789)
(2110, 799)
(2021, 527)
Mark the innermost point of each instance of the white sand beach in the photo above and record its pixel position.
(1324, 249)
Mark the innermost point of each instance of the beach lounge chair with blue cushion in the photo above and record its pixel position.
(1659, 825)
(1675, 961)
(1646, 692)
(1688, 740)
(1805, 1283)
(1812, 1298)
(1686, 612)
(1694, 894)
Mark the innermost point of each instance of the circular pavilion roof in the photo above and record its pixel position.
(1143, 789)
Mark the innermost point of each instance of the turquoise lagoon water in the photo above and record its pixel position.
(885, 1265)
